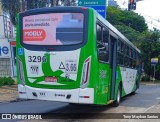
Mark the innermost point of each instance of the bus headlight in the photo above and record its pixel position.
(86, 72)
(21, 74)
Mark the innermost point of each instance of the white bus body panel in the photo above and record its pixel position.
(77, 95)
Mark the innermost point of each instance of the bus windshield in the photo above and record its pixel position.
(53, 29)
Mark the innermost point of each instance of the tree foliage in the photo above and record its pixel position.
(12, 7)
(133, 26)
(150, 48)
(117, 16)
(31, 4)
(129, 32)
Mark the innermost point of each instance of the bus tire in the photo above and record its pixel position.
(118, 97)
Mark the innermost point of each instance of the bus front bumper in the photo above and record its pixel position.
(84, 96)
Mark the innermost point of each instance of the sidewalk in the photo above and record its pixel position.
(150, 83)
(8, 93)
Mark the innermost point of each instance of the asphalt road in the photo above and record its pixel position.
(144, 99)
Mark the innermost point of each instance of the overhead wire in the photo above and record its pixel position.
(154, 25)
(154, 22)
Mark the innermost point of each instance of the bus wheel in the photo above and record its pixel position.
(118, 98)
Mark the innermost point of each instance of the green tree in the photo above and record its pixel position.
(116, 16)
(129, 32)
(12, 7)
(150, 48)
(133, 26)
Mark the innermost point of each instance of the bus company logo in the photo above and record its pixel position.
(34, 35)
(59, 95)
(103, 74)
(34, 69)
(6, 116)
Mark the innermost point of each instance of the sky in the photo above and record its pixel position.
(150, 9)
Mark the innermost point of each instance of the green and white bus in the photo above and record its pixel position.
(72, 54)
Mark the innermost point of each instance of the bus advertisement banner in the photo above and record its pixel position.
(47, 29)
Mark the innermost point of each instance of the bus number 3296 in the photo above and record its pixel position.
(36, 58)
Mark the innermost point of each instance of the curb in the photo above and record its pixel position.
(149, 83)
(8, 93)
(19, 100)
(15, 100)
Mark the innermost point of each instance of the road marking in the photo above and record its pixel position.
(149, 108)
(158, 98)
(151, 84)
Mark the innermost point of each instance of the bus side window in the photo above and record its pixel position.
(134, 59)
(120, 59)
(120, 53)
(122, 47)
(137, 61)
(102, 43)
(99, 34)
(118, 46)
(106, 43)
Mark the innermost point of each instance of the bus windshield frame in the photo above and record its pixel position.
(44, 11)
